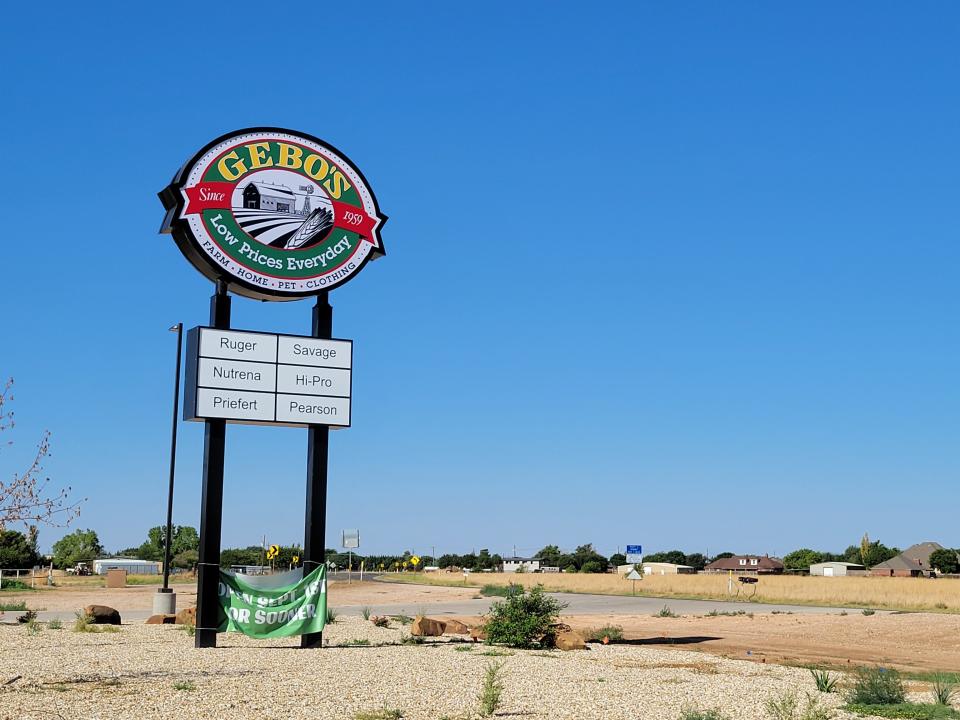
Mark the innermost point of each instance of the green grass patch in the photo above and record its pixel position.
(914, 711)
(498, 590)
(463, 648)
(184, 685)
(383, 714)
(613, 633)
(13, 606)
(17, 586)
(495, 653)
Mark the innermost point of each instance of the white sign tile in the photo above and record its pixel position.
(235, 404)
(311, 351)
(238, 345)
(313, 380)
(237, 375)
(313, 410)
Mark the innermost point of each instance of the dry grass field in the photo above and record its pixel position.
(918, 594)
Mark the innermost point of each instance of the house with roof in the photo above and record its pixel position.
(519, 564)
(912, 562)
(746, 564)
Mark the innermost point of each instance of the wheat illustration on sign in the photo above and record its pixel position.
(272, 552)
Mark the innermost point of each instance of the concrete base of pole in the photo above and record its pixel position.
(164, 602)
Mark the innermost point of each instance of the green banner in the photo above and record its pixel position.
(273, 606)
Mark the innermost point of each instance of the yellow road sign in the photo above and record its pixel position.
(415, 560)
(296, 559)
(273, 551)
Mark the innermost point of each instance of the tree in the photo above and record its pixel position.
(864, 549)
(550, 556)
(671, 556)
(618, 559)
(79, 546)
(721, 556)
(802, 559)
(27, 497)
(15, 551)
(186, 560)
(184, 538)
(698, 561)
(876, 552)
(945, 560)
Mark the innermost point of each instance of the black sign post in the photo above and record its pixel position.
(211, 510)
(318, 441)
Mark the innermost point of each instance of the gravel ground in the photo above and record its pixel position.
(155, 672)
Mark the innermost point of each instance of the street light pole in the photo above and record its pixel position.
(166, 599)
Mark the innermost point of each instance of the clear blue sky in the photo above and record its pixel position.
(683, 275)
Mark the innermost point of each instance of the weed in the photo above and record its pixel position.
(402, 619)
(908, 711)
(331, 615)
(500, 590)
(16, 585)
(184, 685)
(868, 612)
(608, 633)
(83, 622)
(365, 611)
(354, 642)
(694, 714)
(666, 612)
(941, 606)
(411, 640)
(30, 616)
(55, 624)
(33, 627)
(522, 619)
(826, 683)
(843, 613)
(876, 686)
(943, 689)
(59, 687)
(383, 714)
(495, 653)
(786, 706)
(463, 648)
(18, 605)
(491, 690)
(189, 628)
(380, 621)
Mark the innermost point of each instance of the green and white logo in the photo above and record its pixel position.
(277, 214)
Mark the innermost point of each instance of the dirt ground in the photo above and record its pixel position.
(909, 641)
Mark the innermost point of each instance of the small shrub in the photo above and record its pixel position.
(16, 585)
(189, 628)
(666, 612)
(786, 706)
(184, 685)
(55, 624)
(868, 612)
(30, 616)
(33, 627)
(522, 619)
(354, 642)
(826, 683)
(331, 615)
(694, 714)
(876, 686)
(402, 619)
(943, 689)
(411, 640)
(380, 620)
(491, 690)
(365, 611)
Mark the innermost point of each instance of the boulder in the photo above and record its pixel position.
(478, 634)
(187, 616)
(455, 627)
(427, 627)
(569, 640)
(102, 615)
(163, 619)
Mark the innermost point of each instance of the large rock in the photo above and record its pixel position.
(187, 616)
(102, 615)
(163, 619)
(569, 640)
(455, 627)
(427, 627)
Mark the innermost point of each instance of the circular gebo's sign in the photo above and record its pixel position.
(277, 214)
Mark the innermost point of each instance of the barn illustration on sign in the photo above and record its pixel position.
(281, 216)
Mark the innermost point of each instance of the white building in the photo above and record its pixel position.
(133, 566)
(517, 564)
(837, 569)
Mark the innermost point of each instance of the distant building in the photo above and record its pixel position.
(912, 562)
(133, 566)
(749, 564)
(665, 568)
(837, 569)
(518, 564)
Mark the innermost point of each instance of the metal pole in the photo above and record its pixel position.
(173, 460)
(211, 514)
(318, 444)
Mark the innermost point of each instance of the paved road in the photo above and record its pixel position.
(577, 604)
